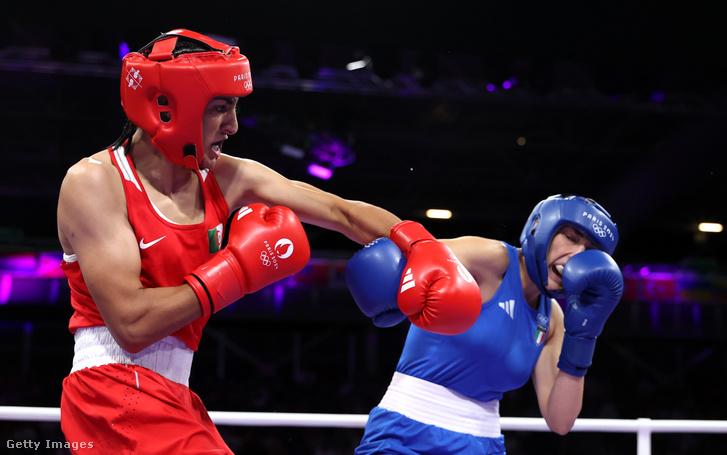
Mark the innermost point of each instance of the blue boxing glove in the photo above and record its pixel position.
(373, 275)
(593, 286)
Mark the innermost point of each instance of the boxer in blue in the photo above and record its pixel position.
(444, 396)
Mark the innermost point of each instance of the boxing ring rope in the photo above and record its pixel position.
(642, 427)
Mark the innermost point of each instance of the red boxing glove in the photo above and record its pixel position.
(263, 245)
(437, 292)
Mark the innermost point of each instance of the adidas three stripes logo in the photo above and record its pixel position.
(408, 281)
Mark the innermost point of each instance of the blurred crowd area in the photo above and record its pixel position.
(269, 366)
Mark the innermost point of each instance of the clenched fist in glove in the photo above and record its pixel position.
(263, 245)
(593, 286)
(436, 292)
(373, 275)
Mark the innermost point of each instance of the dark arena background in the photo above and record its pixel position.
(480, 108)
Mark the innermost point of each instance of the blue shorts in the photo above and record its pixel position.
(391, 432)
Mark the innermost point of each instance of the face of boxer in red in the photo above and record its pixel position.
(218, 124)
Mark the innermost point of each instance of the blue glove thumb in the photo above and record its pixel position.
(373, 275)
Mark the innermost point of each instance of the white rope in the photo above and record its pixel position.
(283, 419)
(28, 414)
(620, 425)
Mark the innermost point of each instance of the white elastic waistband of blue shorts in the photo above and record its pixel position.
(437, 405)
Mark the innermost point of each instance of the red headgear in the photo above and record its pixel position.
(166, 95)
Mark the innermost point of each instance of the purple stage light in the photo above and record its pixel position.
(331, 151)
(31, 277)
(123, 50)
(319, 171)
(328, 153)
(278, 297)
(23, 262)
(6, 285)
(491, 87)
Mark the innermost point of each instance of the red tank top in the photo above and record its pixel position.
(169, 251)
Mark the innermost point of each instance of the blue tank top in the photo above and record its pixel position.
(496, 355)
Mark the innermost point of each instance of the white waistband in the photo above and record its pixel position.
(434, 404)
(169, 357)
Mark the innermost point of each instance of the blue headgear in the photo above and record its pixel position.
(554, 212)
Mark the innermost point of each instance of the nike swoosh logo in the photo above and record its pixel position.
(144, 246)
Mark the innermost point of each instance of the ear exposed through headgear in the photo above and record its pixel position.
(165, 89)
(550, 215)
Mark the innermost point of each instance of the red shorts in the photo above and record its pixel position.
(124, 409)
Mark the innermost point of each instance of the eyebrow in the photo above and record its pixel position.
(227, 99)
(588, 238)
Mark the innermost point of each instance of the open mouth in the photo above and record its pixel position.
(216, 148)
(557, 270)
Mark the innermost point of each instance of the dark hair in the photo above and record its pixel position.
(184, 45)
(126, 133)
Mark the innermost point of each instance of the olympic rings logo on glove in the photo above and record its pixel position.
(283, 250)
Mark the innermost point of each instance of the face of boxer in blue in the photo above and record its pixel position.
(567, 242)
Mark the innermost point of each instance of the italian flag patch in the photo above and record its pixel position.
(541, 330)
